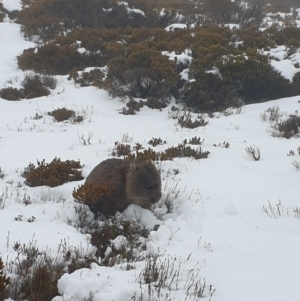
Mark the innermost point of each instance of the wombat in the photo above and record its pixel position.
(131, 183)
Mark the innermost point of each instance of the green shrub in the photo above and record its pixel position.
(52, 174)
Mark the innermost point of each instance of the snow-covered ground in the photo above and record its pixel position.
(218, 230)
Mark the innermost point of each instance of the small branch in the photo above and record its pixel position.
(253, 152)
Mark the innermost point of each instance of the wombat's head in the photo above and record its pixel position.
(143, 184)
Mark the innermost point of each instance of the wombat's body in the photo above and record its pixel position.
(131, 183)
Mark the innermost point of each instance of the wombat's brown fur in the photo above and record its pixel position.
(132, 183)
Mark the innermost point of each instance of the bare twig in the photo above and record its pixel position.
(253, 152)
(86, 141)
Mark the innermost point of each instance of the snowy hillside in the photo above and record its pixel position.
(232, 231)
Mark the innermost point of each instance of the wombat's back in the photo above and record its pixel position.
(111, 170)
(136, 183)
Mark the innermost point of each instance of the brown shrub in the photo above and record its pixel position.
(10, 93)
(52, 174)
(46, 27)
(111, 229)
(4, 282)
(95, 196)
(252, 37)
(53, 59)
(33, 86)
(144, 74)
(180, 151)
(36, 272)
(289, 36)
(2, 12)
(94, 77)
(49, 18)
(63, 114)
(290, 127)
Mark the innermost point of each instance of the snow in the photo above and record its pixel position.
(132, 10)
(286, 68)
(175, 26)
(232, 26)
(278, 52)
(279, 19)
(8, 62)
(162, 12)
(185, 57)
(101, 281)
(184, 74)
(217, 230)
(12, 5)
(214, 71)
(136, 11)
(286, 64)
(109, 10)
(81, 50)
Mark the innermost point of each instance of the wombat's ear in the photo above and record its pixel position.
(134, 166)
